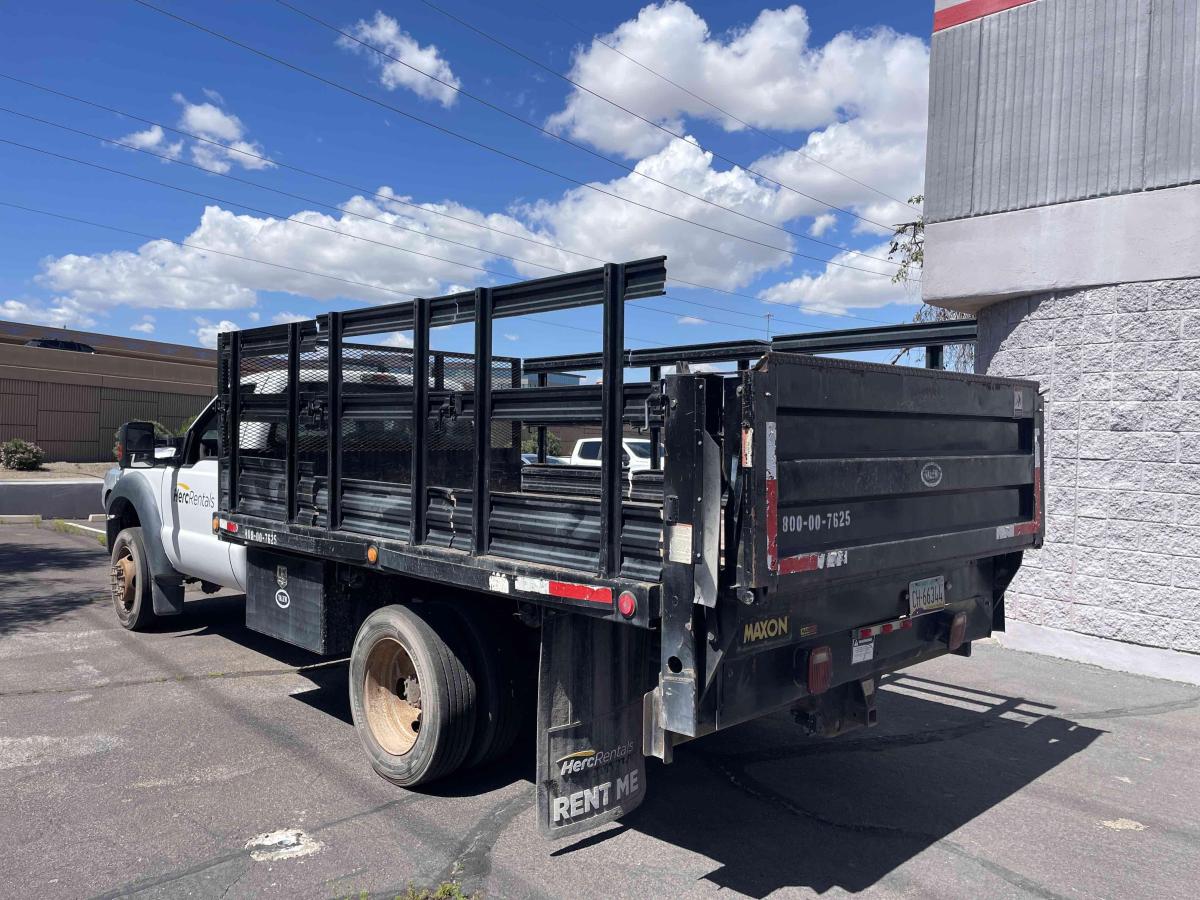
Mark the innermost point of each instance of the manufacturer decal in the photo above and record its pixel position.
(765, 629)
(282, 599)
(931, 474)
(582, 760)
(281, 576)
(862, 650)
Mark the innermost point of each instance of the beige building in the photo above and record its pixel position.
(71, 401)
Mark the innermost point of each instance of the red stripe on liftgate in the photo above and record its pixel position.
(581, 592)
(971, 9)
(793, 564)
(1025, 528)
(773, 523)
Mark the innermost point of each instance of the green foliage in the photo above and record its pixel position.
(529, 442)
(22, 455)
(909, 244)
(447, 890)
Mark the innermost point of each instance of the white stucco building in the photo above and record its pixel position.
(1063, 207)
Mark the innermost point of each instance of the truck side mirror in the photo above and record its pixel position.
(135, 444)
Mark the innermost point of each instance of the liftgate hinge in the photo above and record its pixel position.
(655, 405)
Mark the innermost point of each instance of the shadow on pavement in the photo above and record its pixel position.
(774, 809)
(770, 807)
(23, 564)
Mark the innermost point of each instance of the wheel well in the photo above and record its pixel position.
(122, 514)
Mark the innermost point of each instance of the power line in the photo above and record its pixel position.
(650, 122)
(388, 199)
(264, 212)
(263, 262)
(725, 112)
(312, 225)
(490, 148)
(578, 146)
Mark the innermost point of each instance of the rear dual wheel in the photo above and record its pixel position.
(431, 691)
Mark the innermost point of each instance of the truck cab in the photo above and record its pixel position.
(160, 500)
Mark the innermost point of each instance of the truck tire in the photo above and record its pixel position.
(499, 714)
(412, 696)
(129, 580)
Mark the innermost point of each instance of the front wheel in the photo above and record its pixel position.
(411, 695)
(129, 581)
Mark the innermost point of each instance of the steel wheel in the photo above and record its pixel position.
(392, 697)
(129, 580)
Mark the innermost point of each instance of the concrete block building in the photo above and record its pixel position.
(1063, 208)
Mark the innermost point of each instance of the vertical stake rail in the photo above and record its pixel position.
(933, 357)
(333, 442)
(234, 416)
(542, 380)
(420, 417)
(518, 428)
(613, 405)
(482, 501)
(655, 432)
(291, 504)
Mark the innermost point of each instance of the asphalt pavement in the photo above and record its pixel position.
(202, 760)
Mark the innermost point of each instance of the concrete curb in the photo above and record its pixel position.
(96, 534)
(1103, 652)
(20, 520)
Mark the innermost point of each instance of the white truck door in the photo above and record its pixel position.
(189, 500)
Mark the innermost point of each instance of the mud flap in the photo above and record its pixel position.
(590, 767)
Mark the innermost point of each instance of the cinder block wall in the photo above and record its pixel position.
(1121, 370)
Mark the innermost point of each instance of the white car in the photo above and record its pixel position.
(636, 455)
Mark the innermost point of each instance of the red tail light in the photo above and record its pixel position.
(958, 631)
(627, 604)
(820, 670)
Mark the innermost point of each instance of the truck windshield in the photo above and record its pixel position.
(640, 449)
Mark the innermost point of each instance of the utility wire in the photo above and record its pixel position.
(721, 110)
(492, 149)
(578, 146)
(388, 198)
(263, 262)
(355, 237)
(650, 122)
(286, 218)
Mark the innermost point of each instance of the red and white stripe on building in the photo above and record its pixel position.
(948, 13)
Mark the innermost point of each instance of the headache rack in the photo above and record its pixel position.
(346, 437)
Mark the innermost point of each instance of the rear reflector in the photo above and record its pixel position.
(958, 630)
(627, 604)
(820, 670)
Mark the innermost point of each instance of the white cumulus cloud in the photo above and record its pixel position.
(862, 98)
(206, 332)
(212, 122)
(385, 33)
(838, 288)
(59, 312)
(145, 326)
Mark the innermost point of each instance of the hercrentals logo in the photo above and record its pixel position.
(580, 760)
(183, 495)
(765, 629)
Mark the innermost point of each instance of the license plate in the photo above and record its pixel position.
(926, 594)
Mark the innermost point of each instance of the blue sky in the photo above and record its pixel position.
(845, 83)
